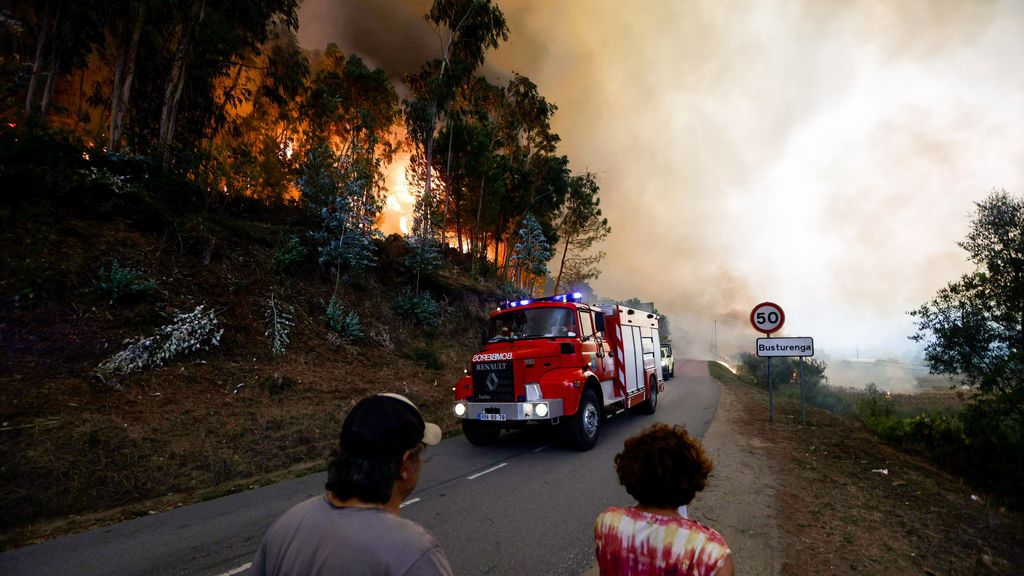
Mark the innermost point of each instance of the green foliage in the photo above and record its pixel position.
(426, 358)
(974, 327)
(101, 177)
(785, 372)
(424, 255)
(344, 322)
(510, 291)
(531, 253)
(278, 318)
(421, 310)
(123, 283)
(581, 226)
(995, 441)
(187, 333)
(874, 405)
(339, 198)
(289, 254)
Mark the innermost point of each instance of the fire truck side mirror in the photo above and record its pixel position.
(483, 336)
(599, 322)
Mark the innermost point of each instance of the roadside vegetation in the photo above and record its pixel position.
(850, 503)
(973, 331)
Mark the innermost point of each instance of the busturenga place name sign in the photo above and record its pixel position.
(802, 346)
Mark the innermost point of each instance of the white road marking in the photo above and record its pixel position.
(238, 570)
(407, 502)
(541, 448)
(479, 474)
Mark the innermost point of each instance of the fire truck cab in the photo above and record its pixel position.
(560, 361)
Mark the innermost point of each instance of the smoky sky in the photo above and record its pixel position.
(822, 155)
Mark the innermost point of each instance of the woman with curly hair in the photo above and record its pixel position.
(663, 468)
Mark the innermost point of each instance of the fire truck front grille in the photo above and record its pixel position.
(493, 382)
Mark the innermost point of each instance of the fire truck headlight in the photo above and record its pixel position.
(542, 410)
(460, 409)
(533, 392)
(527, 409)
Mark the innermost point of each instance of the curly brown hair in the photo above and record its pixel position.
(663, 466)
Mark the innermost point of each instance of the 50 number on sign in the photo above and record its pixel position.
(767, 317)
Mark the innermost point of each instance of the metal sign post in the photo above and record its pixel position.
(803, 404)
(787, 347)
(768, 317)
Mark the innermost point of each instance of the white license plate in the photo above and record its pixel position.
(497, 417)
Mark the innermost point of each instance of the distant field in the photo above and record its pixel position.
(891, 375)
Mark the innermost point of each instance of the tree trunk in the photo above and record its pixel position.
(561, 266)
(123, 76)
(176, 79)
(37, 64)
(476, 225)
(427, 199)
(51, 80)
(448, 186)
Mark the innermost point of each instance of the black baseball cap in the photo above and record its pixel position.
(385, 425)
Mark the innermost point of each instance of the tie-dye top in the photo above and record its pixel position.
(635, 543)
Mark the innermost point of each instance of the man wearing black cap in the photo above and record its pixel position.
(355, 528)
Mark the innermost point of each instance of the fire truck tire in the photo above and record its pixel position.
(583, 428)
(480, 433)
(651, 403)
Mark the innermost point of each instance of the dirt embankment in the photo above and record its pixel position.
(828, 498)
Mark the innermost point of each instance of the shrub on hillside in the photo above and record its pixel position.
(121, 283)
(421, 310)
(343, 322)
(100, 177)
(187, 333)
(289, 254)
(278, 318)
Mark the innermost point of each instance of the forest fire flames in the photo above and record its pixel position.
(398, 208)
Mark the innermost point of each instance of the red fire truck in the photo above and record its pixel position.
(560, 361)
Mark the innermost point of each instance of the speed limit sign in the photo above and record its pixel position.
(767, 317)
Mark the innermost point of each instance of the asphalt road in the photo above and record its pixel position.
(522, 506)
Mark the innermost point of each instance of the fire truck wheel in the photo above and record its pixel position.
(583, 428)
(651, 403)
(480, 433)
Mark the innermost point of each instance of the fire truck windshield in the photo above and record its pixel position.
(532, 323)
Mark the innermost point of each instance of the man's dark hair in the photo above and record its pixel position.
(368, 479)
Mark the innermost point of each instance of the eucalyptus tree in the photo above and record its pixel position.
(537, 178)
(126, 23)
(203, 39)
(66, 32)
(581, 226)
(260, 115)
(333, 191)
(468, 152)
(357, 107)
(465, 29)
(531, 254)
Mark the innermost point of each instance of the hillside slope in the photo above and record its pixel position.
(75, 442)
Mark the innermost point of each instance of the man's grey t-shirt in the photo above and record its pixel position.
(318, 538)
